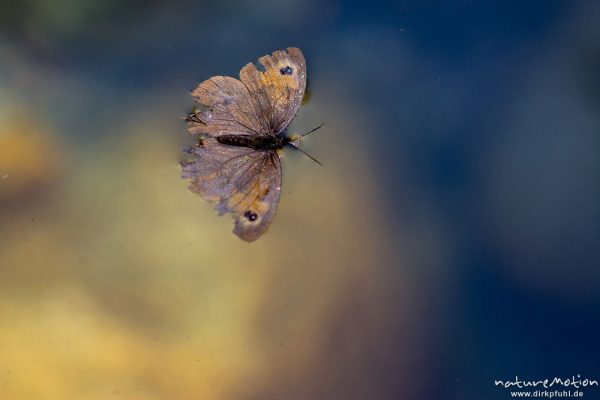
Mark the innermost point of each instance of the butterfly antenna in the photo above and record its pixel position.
(311, 131)
(303, 152)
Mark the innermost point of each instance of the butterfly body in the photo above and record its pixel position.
(261, 143)
(240, 124)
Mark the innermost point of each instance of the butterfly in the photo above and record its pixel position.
(240, 125)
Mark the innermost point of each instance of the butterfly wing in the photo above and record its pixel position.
(244, 182)
(278, 90)
(225, 108)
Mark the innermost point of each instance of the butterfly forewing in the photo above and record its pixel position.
(242, 181)
(279, 89)
(256, 202)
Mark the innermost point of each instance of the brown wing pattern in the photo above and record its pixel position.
(245, 181)
(226, 108)
(242, 181)
(278, 90)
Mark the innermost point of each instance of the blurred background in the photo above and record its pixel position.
(451, 237)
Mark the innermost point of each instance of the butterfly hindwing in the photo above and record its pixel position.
(226, 108)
